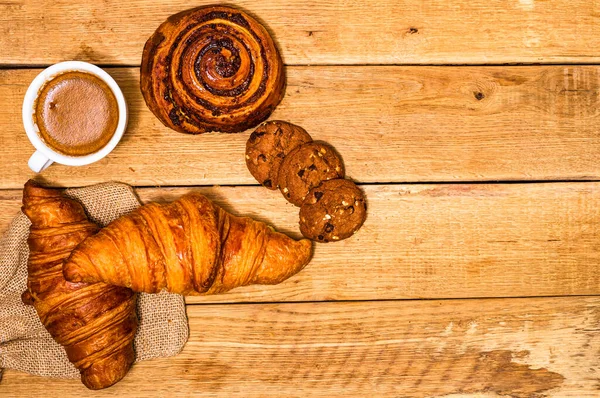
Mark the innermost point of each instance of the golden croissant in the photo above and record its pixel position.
(95, 323)
(190, 247)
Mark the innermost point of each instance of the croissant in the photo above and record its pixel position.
(211, 69)
(190, 247)
(95, 323)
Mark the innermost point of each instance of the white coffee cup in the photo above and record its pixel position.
(44, 156)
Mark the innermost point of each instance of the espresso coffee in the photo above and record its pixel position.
(76, 113)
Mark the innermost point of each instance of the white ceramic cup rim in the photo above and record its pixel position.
(32, 130)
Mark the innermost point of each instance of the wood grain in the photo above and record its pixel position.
(319, 32)
(430, 241)
(390, 124)
(509, 347)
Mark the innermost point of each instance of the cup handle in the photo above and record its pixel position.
(39, 162)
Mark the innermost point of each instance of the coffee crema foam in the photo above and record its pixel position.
(76, 113)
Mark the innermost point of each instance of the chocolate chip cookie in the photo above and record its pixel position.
(307, 167)
(333, 211)
(267, 147)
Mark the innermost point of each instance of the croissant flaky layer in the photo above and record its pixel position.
(211, 69)
(95, 323)
(190, 246)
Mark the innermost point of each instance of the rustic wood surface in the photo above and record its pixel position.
(390, 124)
(429, 241)
(318, 32)
(439, 294)
(479, 348)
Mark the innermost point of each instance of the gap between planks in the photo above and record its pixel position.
(480, 65)
(385, 300)
(366, 184)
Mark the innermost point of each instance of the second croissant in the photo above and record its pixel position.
(190, 246)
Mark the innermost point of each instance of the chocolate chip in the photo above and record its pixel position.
(281, 155)
(312, 167)
(301, 173)
(262, 158)
(320, 237)
(174, 117)
(267, 183)
(318, 195)
(328, 227)
(256, 135)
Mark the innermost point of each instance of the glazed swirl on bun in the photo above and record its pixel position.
(211, 69)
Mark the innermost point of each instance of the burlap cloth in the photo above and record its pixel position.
(25, 344)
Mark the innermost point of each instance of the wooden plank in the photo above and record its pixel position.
(319, 32)
(510, 347)
(433, 241)
(390, 124)
(10, 204)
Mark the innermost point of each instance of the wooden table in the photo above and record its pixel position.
(473, 128)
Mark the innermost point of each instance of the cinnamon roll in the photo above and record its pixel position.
(211, 69)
